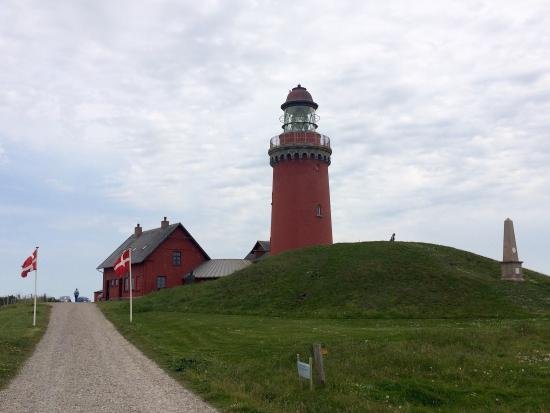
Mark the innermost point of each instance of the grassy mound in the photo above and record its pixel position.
(364, 280)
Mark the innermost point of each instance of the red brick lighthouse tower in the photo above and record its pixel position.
(300, 156)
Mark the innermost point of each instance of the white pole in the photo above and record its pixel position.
(35, 277)
(130, 284)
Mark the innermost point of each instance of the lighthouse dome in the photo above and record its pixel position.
(299, 96)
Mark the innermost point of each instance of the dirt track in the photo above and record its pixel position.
(83, 364)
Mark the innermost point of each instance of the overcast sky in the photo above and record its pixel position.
(118, 112)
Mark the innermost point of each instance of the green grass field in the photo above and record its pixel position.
(409, 327)
(18, 337)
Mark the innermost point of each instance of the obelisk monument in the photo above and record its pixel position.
(510, 265)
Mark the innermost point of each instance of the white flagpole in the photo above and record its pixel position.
(35, 277)
(130, 249)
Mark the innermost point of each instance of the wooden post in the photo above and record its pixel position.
(310, 375)
(299, 378)
(318, 364)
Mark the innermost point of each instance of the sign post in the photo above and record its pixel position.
(305, 370)
(317, 353)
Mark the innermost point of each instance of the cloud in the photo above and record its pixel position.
(437, 114)
(58, 185)
(3, 155)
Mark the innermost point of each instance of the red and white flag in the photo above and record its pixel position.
(29, 264)
(123, 263)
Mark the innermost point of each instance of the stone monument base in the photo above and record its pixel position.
(511, 270)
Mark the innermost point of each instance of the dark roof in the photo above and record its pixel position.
(145, 244)
(259, 246)
(219, 268)
(299, 96)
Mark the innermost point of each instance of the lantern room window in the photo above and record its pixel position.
(299, 118)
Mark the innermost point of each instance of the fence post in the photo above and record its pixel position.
(310, 375)
(318, 364)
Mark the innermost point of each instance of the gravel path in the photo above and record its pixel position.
(83, 364)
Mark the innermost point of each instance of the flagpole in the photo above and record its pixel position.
(130, 284)
(35, 277)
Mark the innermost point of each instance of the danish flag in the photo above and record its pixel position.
(29, 264)
(123, 263)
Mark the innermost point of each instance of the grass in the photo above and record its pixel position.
(247, 363)
(409, 327)
(365, 280)
(18, 337)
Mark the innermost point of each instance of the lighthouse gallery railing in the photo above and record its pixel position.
(299, 138)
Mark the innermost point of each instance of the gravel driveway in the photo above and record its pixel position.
(83, 364)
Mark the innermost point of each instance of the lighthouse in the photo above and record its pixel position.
(300, 157)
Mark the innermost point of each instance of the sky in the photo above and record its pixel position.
(114, 113)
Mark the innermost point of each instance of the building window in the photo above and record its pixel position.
(161, 282)
(126, 284)
(318, 211)
(176, 258)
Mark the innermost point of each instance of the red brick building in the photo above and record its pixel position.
(161, 258)
(300, 157)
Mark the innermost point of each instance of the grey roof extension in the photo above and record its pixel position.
(219, 268)
(259, 246)
(145, 244)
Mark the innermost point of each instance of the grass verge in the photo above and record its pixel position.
(18, 337)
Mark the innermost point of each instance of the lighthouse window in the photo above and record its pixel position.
(318, 211)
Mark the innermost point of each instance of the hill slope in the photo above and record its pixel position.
(370, 279)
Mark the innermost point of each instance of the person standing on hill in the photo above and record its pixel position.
(392, 239)
(76, 294)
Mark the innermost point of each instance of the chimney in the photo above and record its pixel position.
(164, 223)
(138, 230)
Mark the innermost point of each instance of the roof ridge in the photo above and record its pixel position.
(146, 243)
(154, 229)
